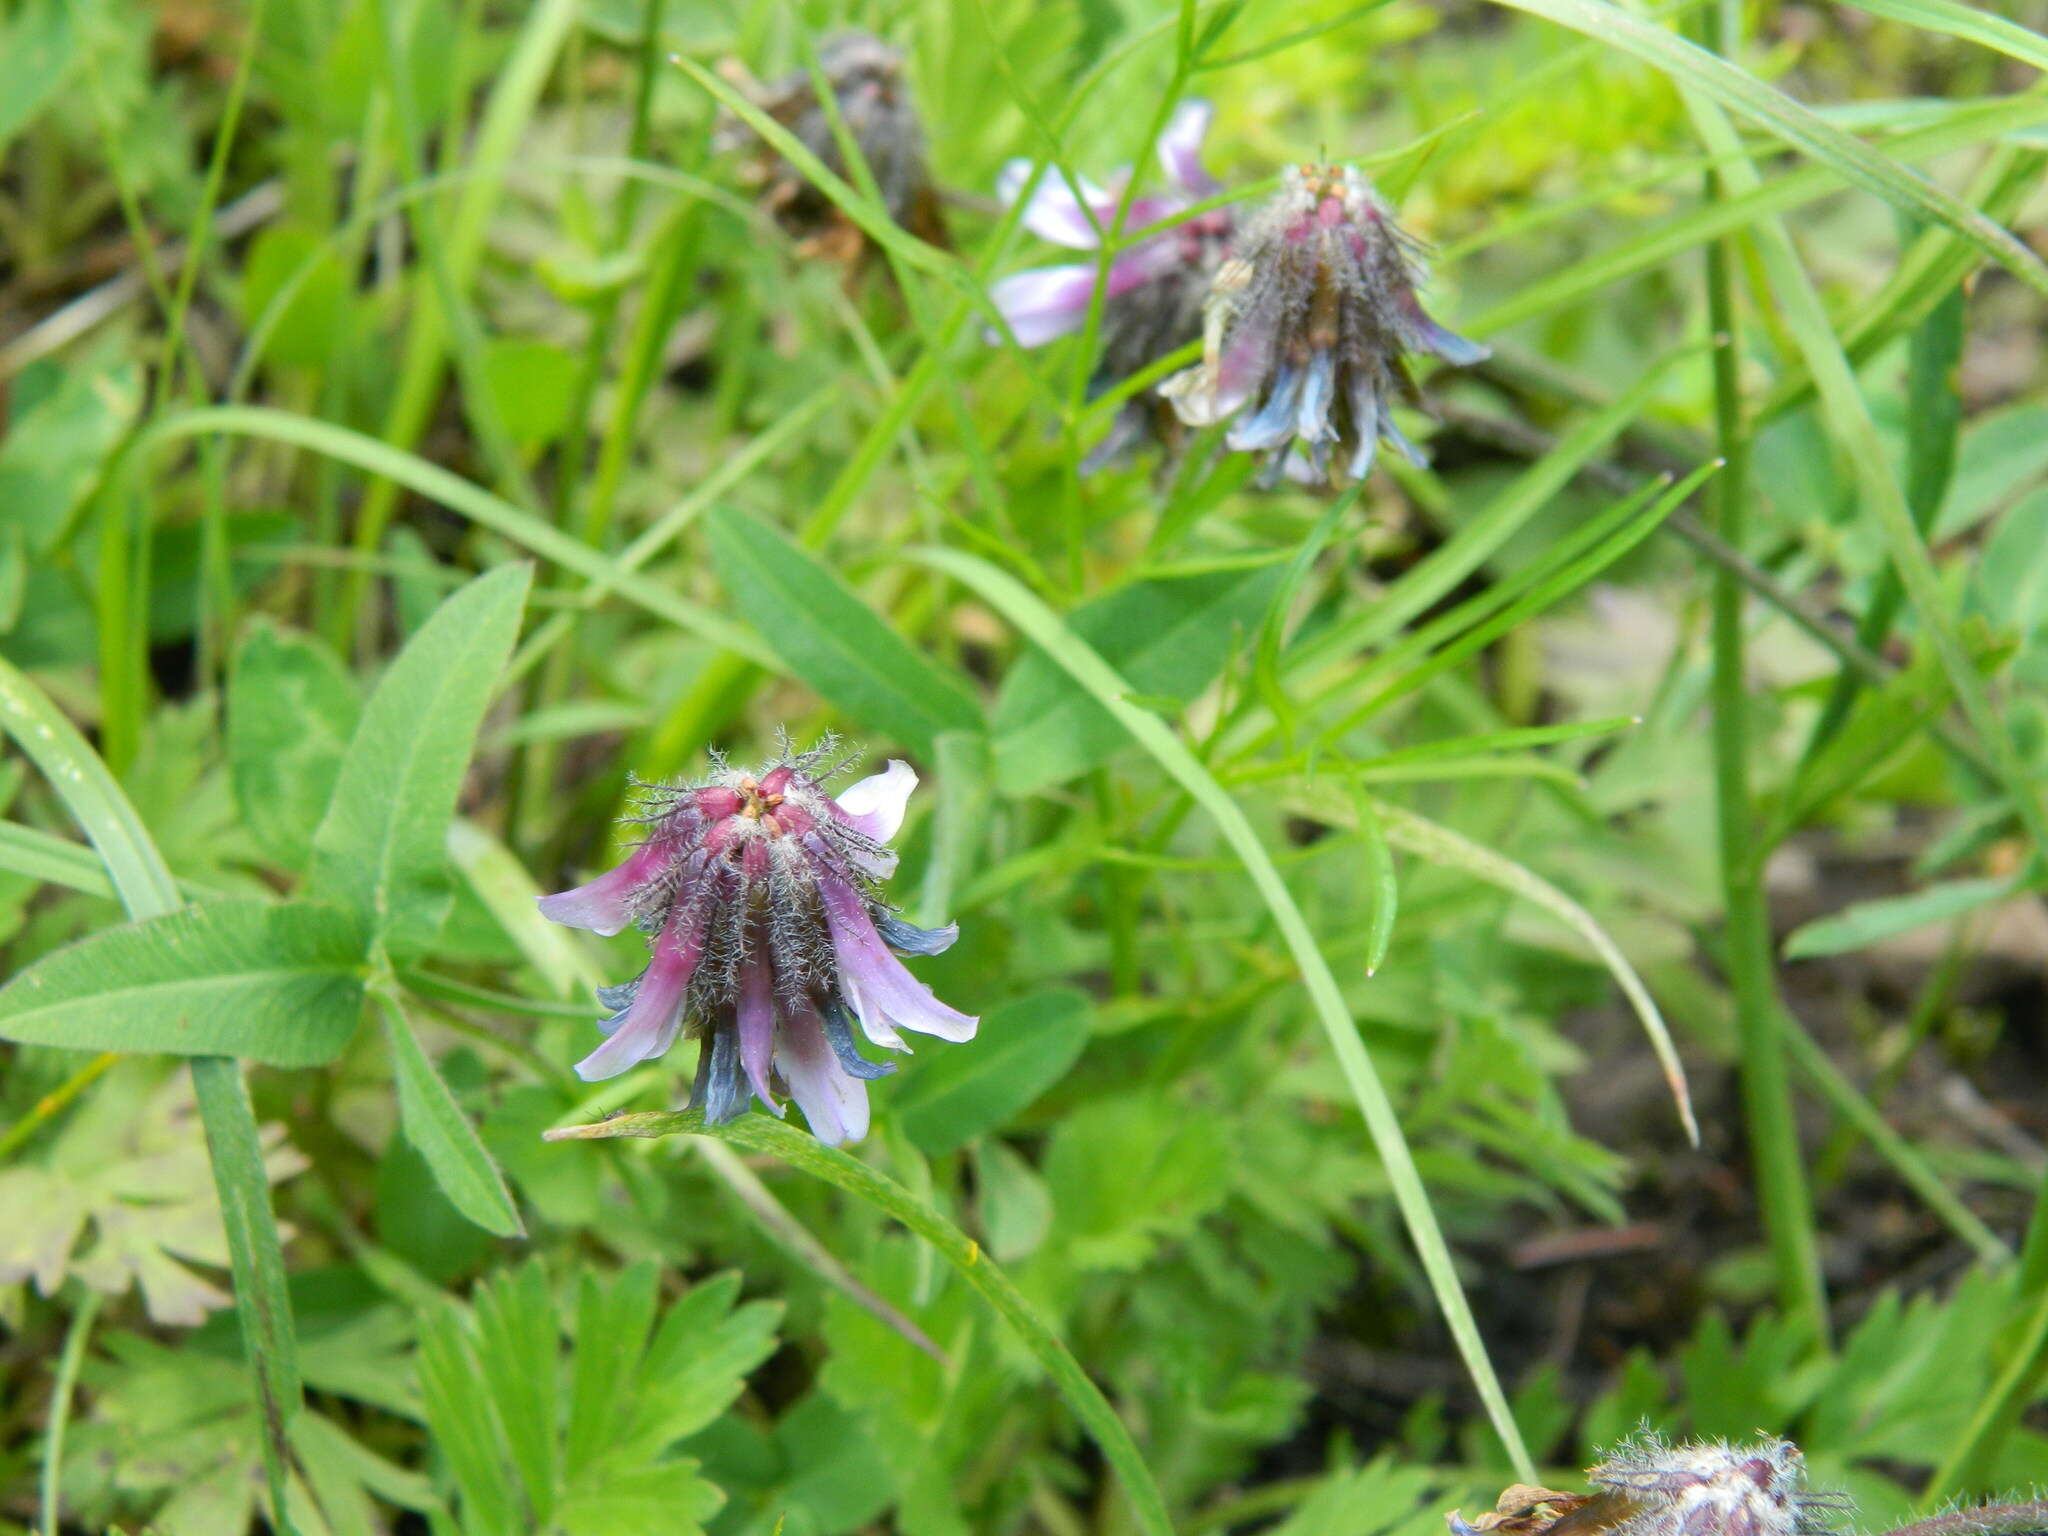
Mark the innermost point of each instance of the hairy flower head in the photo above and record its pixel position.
(867, 81)
(1308, 327)
(1650, 1487)
(769, 939)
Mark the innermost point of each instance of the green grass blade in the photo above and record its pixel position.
(1904, 1157)
(1970, 1466)
(1692, 66)
(146, 889)
(1969, 125)
(68, 1363)
(1040, 625)
(1965, 22)
(1438, 844)
(1849, 421)
(472, 501)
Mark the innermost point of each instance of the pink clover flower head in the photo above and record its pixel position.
(1307, 331)
(1152, 299)
(769, 941)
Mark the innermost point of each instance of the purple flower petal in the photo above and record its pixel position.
(875, 805)
(1180, 148)
(605, 905)
(881, 991)
(757, 1025)
(1054, 213)
(835, 1105)
(650, 1023)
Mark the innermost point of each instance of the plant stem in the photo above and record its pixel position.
(75, 1338)
(1766, 1091)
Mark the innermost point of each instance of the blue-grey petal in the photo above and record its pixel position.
(909, 939)
(839, 1033)
(1273, 422)
(1399, 439)
(1365, 421)
(1312, 411)
(620, 997)
(721, 1088)
(1459, 351)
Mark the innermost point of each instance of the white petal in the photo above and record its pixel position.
(1054, 213)
(1180, 147)
(1045, 302)
(876, 803)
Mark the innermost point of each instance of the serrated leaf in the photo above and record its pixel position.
(1022, 1049)
(1127, 1173)
(275, 982)
(665, 1500)
(292, 708)
(698, 1363)
(435, 1124)
(1168, 639)
(831, 640)
(380, 849)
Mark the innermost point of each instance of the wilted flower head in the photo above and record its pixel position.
(867, 81)
(1649, 1487)
(1152, 303)
(1307, 326)
(760, 892)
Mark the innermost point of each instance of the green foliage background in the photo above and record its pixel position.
(413, 428)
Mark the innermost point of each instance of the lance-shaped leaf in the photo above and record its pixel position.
(380, 849)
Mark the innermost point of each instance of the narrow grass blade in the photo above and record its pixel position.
(1770, 1123)
(1965, 22)
(1430, 840)
(758, 1133)
(1904, 1157)
(1480, 539)
(75, 1336)
(1849, 421)
(256, 1257)
(459, 495)
(144, 884)
(1855, 161)
(1040, 625)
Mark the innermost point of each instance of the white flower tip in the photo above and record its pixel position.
(876, 804)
